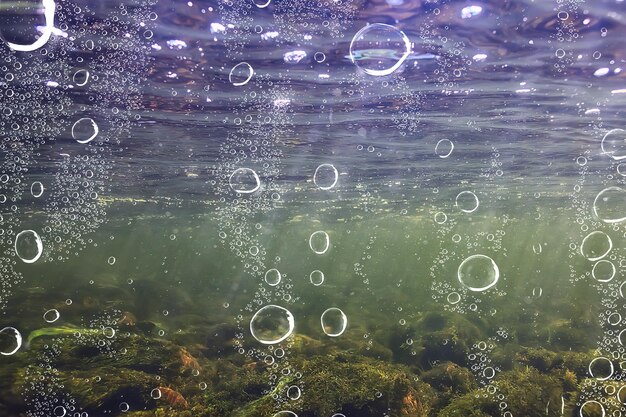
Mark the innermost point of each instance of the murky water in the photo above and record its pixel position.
(312, 208)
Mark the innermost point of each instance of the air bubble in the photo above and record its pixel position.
(272, 324)
(241, 74)
(28, 246)
(379, 49)
(84, 130)
(334, 322)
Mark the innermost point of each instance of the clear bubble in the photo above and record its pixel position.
(244, 181)
(261, 4)
(81, 77)
(596, 245)
(489, 372)
(319, 242)
(316, 277)
(28, 246)
(36, 189)
(59, 411)
(621, 395)
(603, 271)
(51, 315)
(610, 205)
(325, 176)
(379, 49)
(124, 407)
(614, 319)
(478, 273)
(108, 332)
(10, 341)
(85, 130)
(453, 298)
(334, 322)
(294, 392)
(155, 394)
(21, 35)
(466, 201)
(319, 57)
(444, 148)
(614, 144)
(241, 74)
(285, 413)
(601, 368)
(272, 324)
(440, 217)
(272, 277)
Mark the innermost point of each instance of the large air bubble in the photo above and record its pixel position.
(244, 181)
(241, 74)
(319, 242)
(26, 25)
(478, 273)
(325, 176)
(28, 246)
(10, 341)
(610, 205)
(466, 201)
(614, 144)
(596, 245)
(272, 324)
(334, 322)
(379, 49)
(84, 130)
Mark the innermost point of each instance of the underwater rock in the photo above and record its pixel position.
(354, 385)
(349, 384)
(526, 391)
(219, 340)
(450, 378)
(305, 345)
(577, 362)
(444, 345)
(537, 357)
(401, 343)
(112, 386)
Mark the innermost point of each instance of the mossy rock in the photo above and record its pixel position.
(109, 388)
(527, 392)
(450, 378)
(474, 404)
(350, 384)
(539, 358)
(577, 362)
(356, 386)
(134, 351)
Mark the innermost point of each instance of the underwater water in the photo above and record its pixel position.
(330, 208)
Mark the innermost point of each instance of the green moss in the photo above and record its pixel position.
(539, 358)
(450, 378)
(109, 387)
(527, 392)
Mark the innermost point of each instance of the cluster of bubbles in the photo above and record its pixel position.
(596, 258)
(481, 363)
(471, 257)
(249, 166)
(75, 53)
(568, 14)
(244, 25)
